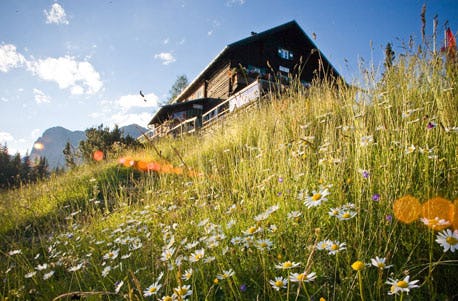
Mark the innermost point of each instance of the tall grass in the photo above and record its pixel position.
(303, 183)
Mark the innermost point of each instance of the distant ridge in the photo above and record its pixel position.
(54, 140)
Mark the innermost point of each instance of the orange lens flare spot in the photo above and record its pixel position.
(97, 155)
(436, 209)
(407, 209)
(38, 146)
(454, 215)
(141, 165)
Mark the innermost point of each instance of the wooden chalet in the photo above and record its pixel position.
(239, 74)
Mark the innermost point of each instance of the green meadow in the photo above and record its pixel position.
(289, 200)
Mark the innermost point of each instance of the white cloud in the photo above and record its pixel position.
(166, 41)
(141, 119)
(40, 96)
(56, 14)
(10, 58)
(127, 109)
(4, 99)
(35, 134)
(210, 32)
(165, 57)
(68, 73)
(5, 137)
(127, 102)
(235, 2)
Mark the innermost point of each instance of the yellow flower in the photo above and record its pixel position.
(215, 281)
(358, 265)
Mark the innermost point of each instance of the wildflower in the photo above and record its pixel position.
(167, 298)
(401, 286)
(14, 252)
(316, 198)
(152, 289)
(358, 265)
(409, 149)
(380, 263)
(215, 281)
(346, 215)
(106, 271)
(335, 247)
(111, 255)
(448, 240)
(273, 228)
(252, 230)
(435, 223)
(364, 173)
(196, 256)
(263, 244)
(226, 274)
(366, 140)
(324, 244)
(118, 286)
(294, 215)
(430, 125)
(41, 267)
(187, 274)
(48, 275)
(302, 277)
(243, 288)
(376, 197)
(278, 283)
(167, 253)
(389, 218)
(287, 265)
(182, 291)
(334, 212)
(30, 275)
(75, 268)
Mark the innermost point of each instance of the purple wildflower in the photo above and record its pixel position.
(376, 197)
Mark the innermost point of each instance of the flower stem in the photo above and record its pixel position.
(360, 279)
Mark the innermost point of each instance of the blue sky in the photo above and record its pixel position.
(80, 63)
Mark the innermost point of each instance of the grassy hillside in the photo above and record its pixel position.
(292, 200)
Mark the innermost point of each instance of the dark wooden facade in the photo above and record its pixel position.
(272, 55)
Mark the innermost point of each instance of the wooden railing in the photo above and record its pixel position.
(191, 125)
(186, 127)
(225, 107)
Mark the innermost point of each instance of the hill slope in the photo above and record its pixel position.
(277, 203)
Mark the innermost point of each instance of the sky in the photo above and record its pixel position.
(82, 63)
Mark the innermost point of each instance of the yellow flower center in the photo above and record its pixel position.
(263, 244)
(215, 281)
(316, 196)
(300, 277)
(251, 230)
(152, 289)
(278, 283)
(346, 215)
(167, 298)
(402, 284)
(451, 240)
(287, 264)
(334, 247)
(381, 265)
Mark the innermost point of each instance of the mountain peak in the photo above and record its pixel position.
(54, 139)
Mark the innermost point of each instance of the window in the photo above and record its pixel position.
(283, 69)
(285, 54)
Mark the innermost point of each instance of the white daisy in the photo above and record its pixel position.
(448, 240)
